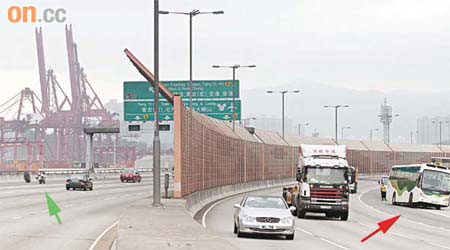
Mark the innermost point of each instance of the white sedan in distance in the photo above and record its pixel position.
(259, 214)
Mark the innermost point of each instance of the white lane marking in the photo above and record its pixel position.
(211, 207)
(397, 234)
(437, 245)
(334, 244)
(306, 232)
(408, 237)
(17, 217)
(101, 235)
(437, 213)
(402, 235)
(402, 218)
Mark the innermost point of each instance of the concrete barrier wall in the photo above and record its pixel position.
(196, 201)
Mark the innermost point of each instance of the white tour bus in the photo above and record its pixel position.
(419, 184)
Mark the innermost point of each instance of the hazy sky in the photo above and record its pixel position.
(358, 44)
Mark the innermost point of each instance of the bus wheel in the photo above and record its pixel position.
(394, 199)
(410, 201)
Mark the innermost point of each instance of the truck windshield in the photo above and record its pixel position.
(436, 181)
(325, 175)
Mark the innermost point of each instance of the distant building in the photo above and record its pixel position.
(429, 131)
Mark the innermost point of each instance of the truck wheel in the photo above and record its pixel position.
(301, 213)
(356, 188)
(329, 215)
(344, 216)
(290, 237)
(67, 188)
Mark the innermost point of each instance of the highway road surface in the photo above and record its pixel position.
(417, 228)
(26, 224)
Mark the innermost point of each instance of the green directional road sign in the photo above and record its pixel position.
(143, 110)
(212, 89)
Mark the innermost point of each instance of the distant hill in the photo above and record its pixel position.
(361, 116)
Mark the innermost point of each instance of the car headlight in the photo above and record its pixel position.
(287, 220)
(248, 219)
(344, 202)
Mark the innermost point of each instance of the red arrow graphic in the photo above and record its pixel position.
(383, 226)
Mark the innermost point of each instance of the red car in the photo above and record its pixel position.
(130, 175)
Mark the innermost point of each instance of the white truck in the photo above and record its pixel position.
(323, 178)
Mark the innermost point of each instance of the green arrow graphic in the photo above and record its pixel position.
(53, 209)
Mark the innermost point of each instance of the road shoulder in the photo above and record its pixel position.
(170, 227)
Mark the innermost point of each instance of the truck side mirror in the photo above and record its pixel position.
(298, 176)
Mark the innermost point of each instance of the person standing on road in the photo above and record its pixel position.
(383, 192)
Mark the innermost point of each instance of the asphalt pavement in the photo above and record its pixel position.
(416, 229)
(26, 224)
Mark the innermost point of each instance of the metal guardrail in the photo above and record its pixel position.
(52, 171)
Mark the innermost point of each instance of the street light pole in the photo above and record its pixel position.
(114, 151)
(234, 67)
(300, 128)
(283, 92)
(412, 136)
(190, 60)
(156, 140)
(234, 99)
(342, 131)
(371, 131)
(282, 111)
(191, 15)
(440, 131)
(336, 107)
(389, 129)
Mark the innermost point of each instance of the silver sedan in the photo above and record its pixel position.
(264, 215)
